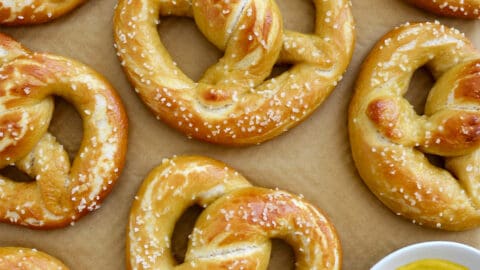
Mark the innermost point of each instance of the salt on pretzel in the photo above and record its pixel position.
(62, 192)
(22, 12)
(233, 104)
(233, 231)
(14, 258)
(389, 139)
(466, 9)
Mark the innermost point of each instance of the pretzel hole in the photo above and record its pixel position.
(178, 34)
(15, 174)
(420, 85)
(183, 228)
(291, 20)
(437, 161)
(282, 256)
(278, 69)
(66, 126)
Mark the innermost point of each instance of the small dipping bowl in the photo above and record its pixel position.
(451, 251)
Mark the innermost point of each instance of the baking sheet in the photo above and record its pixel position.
(313, 159)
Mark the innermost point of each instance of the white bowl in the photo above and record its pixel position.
(455, 252)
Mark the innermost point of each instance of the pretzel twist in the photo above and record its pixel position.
(466, 9)
(233, 231)
(22, 12)
(233, 103)
(62, 192)
(14, 258)
(389, 139)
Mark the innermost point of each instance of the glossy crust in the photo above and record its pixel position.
(14, 258)
(233, 231)
(466, 9)
(22, 12)
(62, 192)
(389, 139)
(233, 103)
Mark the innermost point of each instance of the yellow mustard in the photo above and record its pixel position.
(432, 264)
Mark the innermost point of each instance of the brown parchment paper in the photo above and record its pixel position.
(313, 159)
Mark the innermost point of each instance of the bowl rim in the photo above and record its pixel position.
(422, 246)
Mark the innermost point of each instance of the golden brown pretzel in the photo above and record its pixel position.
(233, 231)
(61, 193)
(14, 258)
(467, 9)
(21, 12)
(232, 104)
(389, 139)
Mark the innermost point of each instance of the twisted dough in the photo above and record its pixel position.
(61, 193)
(389, 139)
(21, 12)
(233, 231)
(232, 104)
(13, 258)
(467, 9)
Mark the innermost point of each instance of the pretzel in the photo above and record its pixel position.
(232, 103)
(466, 9)
(389, 139)
(62, 193)
(234, 229)
(23, 12)
(14, 258)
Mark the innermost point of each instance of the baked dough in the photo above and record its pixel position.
(233, 103)
(389, 140)
(14, 258)
(466, 9)
(233, 231)
(62, 192)
(21, 12)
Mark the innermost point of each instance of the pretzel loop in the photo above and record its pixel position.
(388, 137)
(61, 194)
(232, 103)
(22, 12)
(466, 9)
(234, 230)
(28, 259)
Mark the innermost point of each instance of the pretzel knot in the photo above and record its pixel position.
(22, 12)
(15, 258)
(61, 193)
(466, 9)
(233, 231)
(389, 139)
(233, 103)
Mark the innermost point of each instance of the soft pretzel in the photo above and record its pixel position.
(62, 193)
(233, 104)
(467, 9)
(233, 231)
(389, 139)
(14, 258)
(21, 12)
